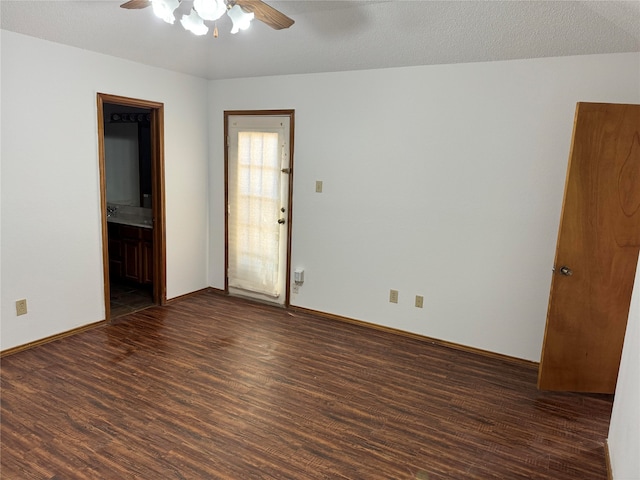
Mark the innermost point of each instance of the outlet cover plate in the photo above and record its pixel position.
(21, 307)
(393, 296)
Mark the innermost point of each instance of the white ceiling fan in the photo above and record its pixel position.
(241, 13)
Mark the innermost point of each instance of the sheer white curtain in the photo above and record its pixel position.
(254, 203)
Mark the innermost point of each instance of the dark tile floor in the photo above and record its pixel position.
(126, 298)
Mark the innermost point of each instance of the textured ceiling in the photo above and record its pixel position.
(338, 35)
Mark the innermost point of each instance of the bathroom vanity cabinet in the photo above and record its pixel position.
(131, 253)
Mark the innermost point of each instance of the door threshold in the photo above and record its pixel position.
(255, 297)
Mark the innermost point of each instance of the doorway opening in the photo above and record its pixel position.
(131, 164)
(258, 197)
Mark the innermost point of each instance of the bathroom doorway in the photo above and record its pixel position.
(131, 163)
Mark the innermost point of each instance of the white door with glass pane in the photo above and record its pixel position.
(258, 166)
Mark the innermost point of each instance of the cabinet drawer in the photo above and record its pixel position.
(130, 233)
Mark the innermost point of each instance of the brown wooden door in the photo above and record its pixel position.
(597, 252)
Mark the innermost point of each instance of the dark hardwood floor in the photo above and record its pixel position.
(211, 387)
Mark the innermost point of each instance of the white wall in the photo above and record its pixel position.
(51, 230)
(443, 181)
(624, 430)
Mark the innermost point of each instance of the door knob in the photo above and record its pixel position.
(281, 221)
(566, 271)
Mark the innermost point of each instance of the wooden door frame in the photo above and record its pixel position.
(157, 194)
(259, 113)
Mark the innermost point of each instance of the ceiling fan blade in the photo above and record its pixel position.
(265, 13)
(135, 4)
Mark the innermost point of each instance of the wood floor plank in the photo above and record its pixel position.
(211, 387)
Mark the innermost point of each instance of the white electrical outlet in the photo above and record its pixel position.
(318, 186)
(21, 307)
(393, 296)
(419, 301)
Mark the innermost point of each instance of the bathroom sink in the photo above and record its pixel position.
(128, 215)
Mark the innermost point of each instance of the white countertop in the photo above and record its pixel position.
(128, 215)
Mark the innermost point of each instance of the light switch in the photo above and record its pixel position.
(318, 186)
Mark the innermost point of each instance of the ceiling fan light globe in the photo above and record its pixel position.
(210, 9)
(241, 19)
(194, 23)
(164, 9)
